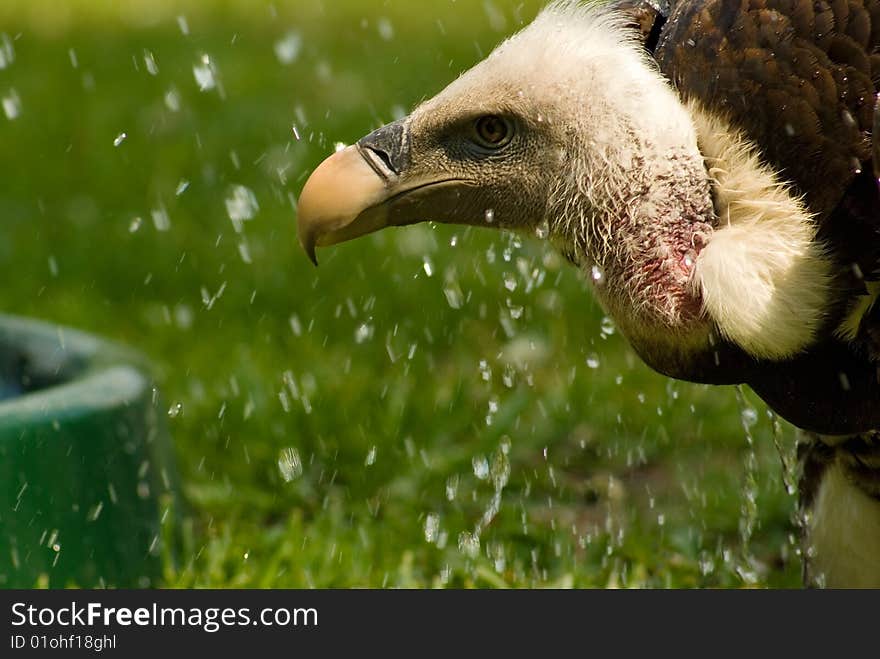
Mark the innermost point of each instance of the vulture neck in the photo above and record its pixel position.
(644, 213)
(690, 240)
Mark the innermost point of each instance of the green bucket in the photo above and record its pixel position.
(87, 479)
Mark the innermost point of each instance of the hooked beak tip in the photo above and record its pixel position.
(337, 193)
(308, 241)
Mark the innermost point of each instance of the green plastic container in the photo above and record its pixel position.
(87, 482)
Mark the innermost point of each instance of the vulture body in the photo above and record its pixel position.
(713, 167)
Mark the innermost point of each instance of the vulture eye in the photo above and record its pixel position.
(492, 131)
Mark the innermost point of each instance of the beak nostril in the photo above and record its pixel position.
(387, 149)
(383, 157)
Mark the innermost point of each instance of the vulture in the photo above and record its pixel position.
(712, 165)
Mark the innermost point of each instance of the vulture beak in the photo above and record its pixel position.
(347, 195)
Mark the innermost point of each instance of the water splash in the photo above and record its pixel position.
(469, 544)
(747, 567)
(207, 75)
(432, 527)
(160, 218)
(7, 51)
(287, 48)
(481, 466)
(11, 105)
(289, 464)
(150, 63)
(172, 100)
(364, 332)
(241, 206)
(385, 28)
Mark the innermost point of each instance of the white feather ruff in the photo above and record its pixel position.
(763, 276)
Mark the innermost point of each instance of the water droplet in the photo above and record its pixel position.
(175, 410)
(749, 416)
(119, 139)
(11, 105)
(432, 527)
(287, 48)
(452, 487)
(183, 316)
(150, 63)
(245, 252)
(95, 511)
(7, 52)
(205, 73)
(489, 215)
(428, 266)
(593, 360)
(386, 29)
(182, 185)
(289, 464)
(469, 544)
(508, 377)
(160, 219)
(485, 370)
(370, 460)
(481, 467)
(606, 328)
(241, 205)
(596, 274)
(542, 230)
(363, 332)
(500, 470)
(295, 325)
(454, 296)
(172, 100)
(509, 281)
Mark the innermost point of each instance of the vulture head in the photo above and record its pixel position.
(567, 131)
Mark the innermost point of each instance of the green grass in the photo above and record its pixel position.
(600, 472)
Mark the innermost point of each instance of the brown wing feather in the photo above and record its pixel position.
(799, 76)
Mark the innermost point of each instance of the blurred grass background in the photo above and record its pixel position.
(433, 406)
